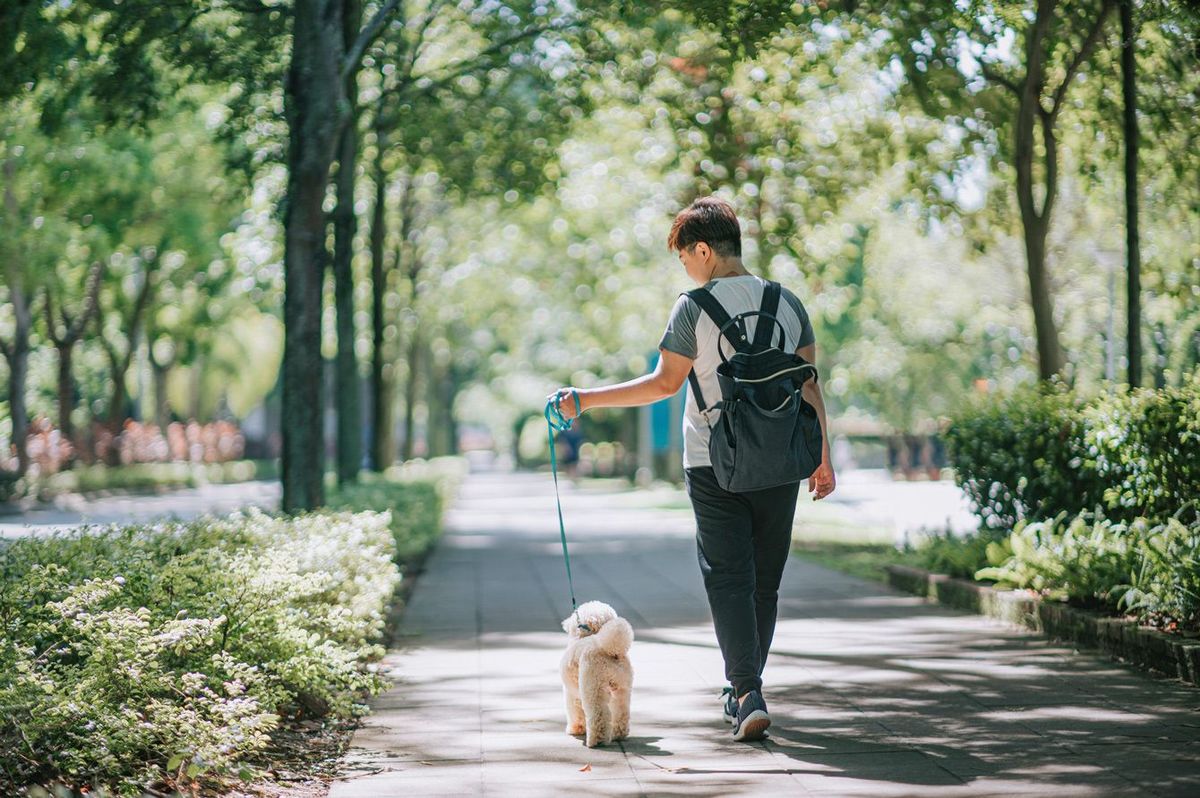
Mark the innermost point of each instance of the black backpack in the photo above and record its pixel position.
(766, 435)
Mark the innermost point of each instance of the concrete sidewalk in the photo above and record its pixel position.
(871, 692)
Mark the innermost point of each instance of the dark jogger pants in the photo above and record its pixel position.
(742, 540)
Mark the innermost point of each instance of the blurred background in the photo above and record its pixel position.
(251, 238)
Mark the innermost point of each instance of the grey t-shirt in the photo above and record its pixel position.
(691, 333)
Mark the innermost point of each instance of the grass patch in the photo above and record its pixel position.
(864, 560)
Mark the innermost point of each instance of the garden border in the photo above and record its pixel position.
(1126, 640)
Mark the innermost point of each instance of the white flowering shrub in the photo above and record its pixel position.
(132, 656)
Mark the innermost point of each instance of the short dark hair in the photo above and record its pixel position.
(711, 220)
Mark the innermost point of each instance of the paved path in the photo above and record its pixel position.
(871, 692)
(186, 503)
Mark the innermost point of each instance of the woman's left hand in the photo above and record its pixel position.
(565, 402)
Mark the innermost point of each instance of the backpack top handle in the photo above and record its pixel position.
(734, 329)
(761, 340)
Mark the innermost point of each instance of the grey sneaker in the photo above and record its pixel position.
(730, 706)
(752, 719)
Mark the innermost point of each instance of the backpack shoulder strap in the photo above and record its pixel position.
(709, 304)
(720, 317)
(764, 328)
(694, 383)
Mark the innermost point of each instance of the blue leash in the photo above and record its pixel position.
(555, 422)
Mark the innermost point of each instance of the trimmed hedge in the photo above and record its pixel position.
(134, 477)
(1144, 447)
(165, 654)
(1043, 451)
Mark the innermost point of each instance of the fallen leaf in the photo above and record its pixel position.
(585, 769)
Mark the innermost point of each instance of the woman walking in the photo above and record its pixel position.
(742, 538)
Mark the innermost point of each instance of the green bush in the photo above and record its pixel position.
(1165, 584)
(166, 653)
(1042, 451)
(415, 507)
(9, 483)
(143, 476)
(1085, 559)
(1022, 456)
(1151, 569)
(1145, 445)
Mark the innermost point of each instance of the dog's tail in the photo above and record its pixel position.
(614, 637)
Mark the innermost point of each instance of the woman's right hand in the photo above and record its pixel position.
(565, 402)
(822, 481)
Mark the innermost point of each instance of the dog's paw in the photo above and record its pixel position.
(620, 732)
(593, 742)
(575, 728)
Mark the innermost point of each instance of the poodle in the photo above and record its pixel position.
(596, 674)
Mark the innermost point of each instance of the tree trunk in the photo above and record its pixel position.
(447, 392)
(1035, 223)
(66, 389)
(162, 409)
(410, 391)
(117, 400)
(1050, 355)
(17, 353)
(441, 390)
(349, 401)
(312, 100)
(412, 272)
(18, 376)
(1161, 351)
(64, 344)
(117, 409)
(1132, 250)
(382, 445)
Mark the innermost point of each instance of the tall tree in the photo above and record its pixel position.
(380, 402)
(349, 401)
(32, 228)
(482, 121)
(19, 280)
(65, 328)
(1009, 67)
(314, 102)
(1133, 259)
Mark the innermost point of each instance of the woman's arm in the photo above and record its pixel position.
(664, 381)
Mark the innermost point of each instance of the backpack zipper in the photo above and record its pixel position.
(778, 373)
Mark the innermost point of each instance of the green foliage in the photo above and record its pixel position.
(1149, 568)
(415, 509)
(9, 483)
(956, 556)
(1144, 444)
(141, 654)
(1038, 452)
(1084, 559)
(145, 476)
(1021, 455)
(1165, 585)
(864, 560)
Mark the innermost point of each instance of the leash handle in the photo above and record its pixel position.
(556, 422)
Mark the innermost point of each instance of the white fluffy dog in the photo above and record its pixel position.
(596, 674)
